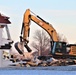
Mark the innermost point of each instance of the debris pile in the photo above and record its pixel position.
(37, 61)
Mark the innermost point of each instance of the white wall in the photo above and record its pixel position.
(1, 30)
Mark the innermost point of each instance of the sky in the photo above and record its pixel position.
(60, 13)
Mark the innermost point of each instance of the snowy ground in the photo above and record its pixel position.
(36, 72)
(53, 70)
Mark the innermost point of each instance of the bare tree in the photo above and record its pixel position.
(62, 38)
(41, 41)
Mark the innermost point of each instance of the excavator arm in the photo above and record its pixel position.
(30, 16)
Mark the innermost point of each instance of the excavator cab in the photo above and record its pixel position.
(58, 48)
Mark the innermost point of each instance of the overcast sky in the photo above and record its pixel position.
(60, 13)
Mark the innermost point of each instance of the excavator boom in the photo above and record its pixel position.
(39, 21)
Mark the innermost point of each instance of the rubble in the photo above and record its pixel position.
(44, 63)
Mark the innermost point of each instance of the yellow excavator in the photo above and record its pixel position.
(58, 49)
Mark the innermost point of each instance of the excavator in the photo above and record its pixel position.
(58, 50)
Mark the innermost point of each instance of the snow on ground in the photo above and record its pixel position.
(36, 72)
(53, 70)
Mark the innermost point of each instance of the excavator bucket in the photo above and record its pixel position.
(17, 47)
(28, 48)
